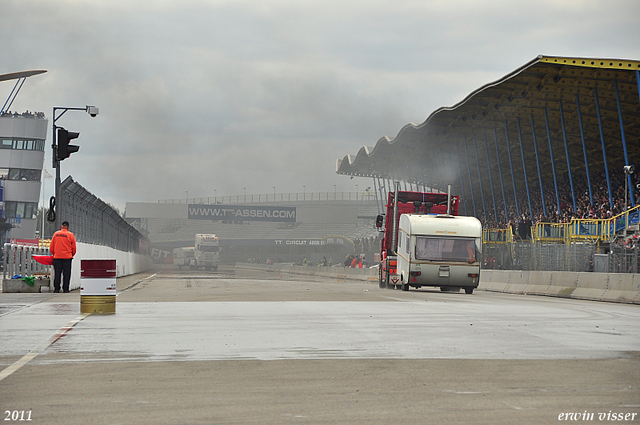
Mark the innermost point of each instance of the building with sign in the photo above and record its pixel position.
(22, 144)
(285, 231)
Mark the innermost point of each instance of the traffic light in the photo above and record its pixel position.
(64, 148)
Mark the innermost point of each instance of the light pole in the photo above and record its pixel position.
(91, 110)
(274, 193)
(304, 192)
(245, 194)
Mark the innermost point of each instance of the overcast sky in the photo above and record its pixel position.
(215, 96)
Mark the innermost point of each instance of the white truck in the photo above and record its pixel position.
(207, 251)
(439, 250)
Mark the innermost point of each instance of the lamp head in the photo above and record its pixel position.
(93, 111)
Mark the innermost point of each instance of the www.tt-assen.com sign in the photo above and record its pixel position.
(228, 212)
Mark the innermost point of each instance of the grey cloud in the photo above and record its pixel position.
(204, 95)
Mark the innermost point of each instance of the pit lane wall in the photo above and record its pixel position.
(127, 263)
(611, 287)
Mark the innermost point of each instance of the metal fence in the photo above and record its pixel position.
(95, 222)
(624, 260)
(532, 256)
(575, 257)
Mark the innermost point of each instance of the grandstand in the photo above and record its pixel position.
(541, 156)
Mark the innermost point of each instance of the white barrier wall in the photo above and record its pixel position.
(614, 287)
(127, 263)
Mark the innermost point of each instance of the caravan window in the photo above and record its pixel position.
(445, 249)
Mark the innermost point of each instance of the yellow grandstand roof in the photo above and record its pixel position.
(534, 101)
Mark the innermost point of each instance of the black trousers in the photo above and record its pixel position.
(61, 266)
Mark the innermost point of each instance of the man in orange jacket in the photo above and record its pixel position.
(63, 248)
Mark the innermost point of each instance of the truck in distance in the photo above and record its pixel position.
(207, 251)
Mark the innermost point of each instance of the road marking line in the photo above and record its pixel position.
(34, 353)
(135, 284)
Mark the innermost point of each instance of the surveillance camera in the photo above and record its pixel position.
(92, 110)
(629, 169)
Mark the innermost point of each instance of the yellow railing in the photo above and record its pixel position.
(549, 232)
(583, 230)
(619, 222)
(496, 235)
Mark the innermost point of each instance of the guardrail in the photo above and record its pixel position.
(497, 236)
(549, 232)
(18, 260)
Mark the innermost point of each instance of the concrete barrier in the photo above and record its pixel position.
(127, 263)
(612, 287)
(40, 284)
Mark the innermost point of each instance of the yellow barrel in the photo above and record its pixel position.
(100, 304)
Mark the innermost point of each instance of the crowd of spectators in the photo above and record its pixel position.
(561, 211)
(25, 114)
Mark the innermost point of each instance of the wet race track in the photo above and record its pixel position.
(247, 346)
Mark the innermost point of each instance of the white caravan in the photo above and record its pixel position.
(439, 250)
(185, 256)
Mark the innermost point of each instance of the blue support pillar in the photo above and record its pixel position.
(553, 167)
(584, 149)
(524, 169)
(513, 179)
(566, 151)
(504, 198)
(473, 198)
(604, 151)
(464, 198)
(624, 141)
(486, 149)
(484, 208)
(535, 147)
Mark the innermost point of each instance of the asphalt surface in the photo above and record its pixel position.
(247, 347)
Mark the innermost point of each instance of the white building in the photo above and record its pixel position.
(22, 143)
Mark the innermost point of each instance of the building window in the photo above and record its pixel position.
(20, 144)
(23, 174)
(26, 210)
